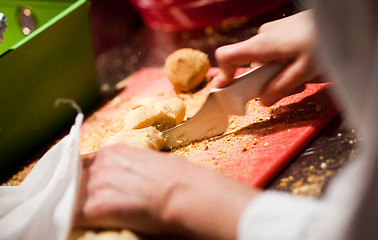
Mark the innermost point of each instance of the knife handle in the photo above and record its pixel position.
(245, 87)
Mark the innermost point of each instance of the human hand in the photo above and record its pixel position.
(154, 192)
(290, 41)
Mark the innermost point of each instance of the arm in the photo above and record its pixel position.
(152, 192)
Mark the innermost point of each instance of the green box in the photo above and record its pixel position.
(55, 61)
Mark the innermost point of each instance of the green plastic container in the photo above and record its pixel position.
(55, 61)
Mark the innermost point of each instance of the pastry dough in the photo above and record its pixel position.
(79, 234)
(143, 138)
(186, 68)
(149, 116)
(157, 111)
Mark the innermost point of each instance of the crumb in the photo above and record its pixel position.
(105, 87)
(318, 107)
(311, 178)
(323, 165)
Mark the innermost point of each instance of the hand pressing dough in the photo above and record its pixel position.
(186, 68)
(157, 111)
(143, 138)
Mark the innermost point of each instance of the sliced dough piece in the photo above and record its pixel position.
(186, 68)
(158, 111)
(102, 235)
(143, 138)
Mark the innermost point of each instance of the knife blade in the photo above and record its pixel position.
(212, 119)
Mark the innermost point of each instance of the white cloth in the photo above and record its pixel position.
(3, 26)
(41, 207)
(348, 43)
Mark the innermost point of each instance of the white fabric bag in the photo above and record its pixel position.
(42, 206)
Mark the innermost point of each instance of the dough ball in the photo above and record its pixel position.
(143, 138)
(157, 111)
(186, 68)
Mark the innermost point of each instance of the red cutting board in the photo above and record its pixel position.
(256, 153)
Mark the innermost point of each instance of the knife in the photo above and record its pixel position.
(212, 119)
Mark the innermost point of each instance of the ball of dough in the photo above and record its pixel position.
(186, 68)
(157, 111)
(142, 138)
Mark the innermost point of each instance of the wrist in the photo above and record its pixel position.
(205, 204)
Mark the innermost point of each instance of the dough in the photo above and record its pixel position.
(103, 235)
(145, 121)
(143, 138)
(186, 68)
(158, 111)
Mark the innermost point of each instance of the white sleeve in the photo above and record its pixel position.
(277, 215)
(274, 215)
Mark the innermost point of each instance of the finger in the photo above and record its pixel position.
(255, 49)
(289, 81)
(81, 197)
(88, 159)
(230, 57)
(227, 66)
